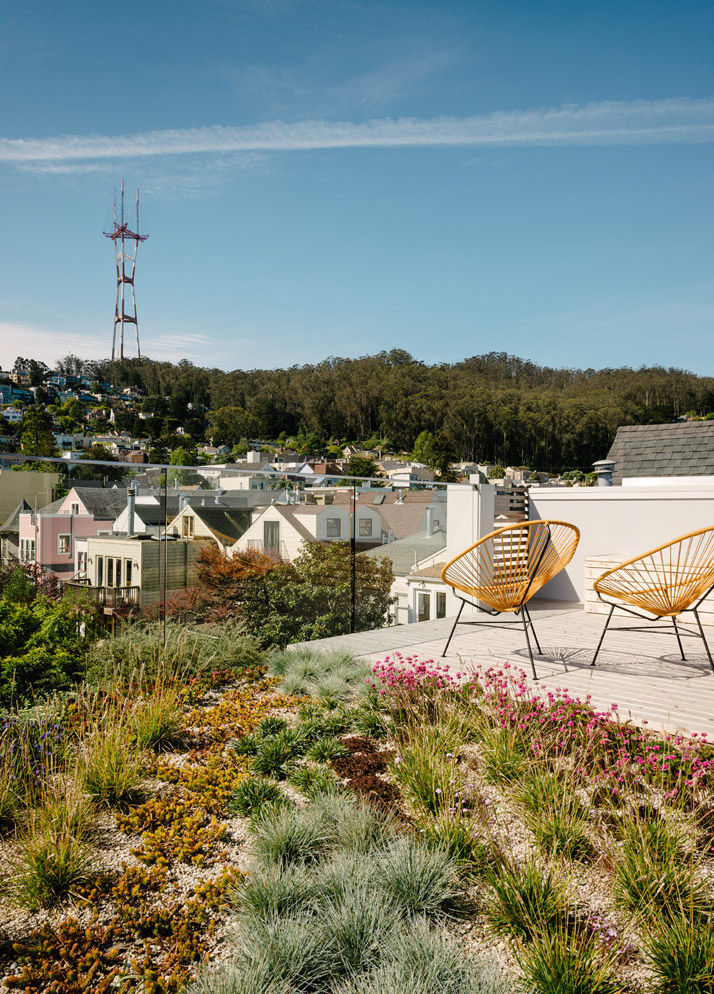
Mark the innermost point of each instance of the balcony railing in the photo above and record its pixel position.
(111, 598)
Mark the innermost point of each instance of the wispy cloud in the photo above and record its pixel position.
(50, 344)
(606, 123)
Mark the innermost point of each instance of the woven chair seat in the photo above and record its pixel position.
(667, 580)
(513, 563)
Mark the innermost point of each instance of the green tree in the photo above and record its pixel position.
(435, 451)
(36, 434)
(310, 597)
(228, 425)
(361, 466)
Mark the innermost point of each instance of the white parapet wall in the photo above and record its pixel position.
(619, 523)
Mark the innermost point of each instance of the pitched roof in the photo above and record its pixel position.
(103, 503)
(12, 522)
(227, 524)
(681, 449)
(406, 552)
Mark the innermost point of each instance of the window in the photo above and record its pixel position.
(117, 573)
(334, 527)
(127, 572)
(100, 571)
(187, 524)
(271, 538)
(64, 544)
(74, 509)
(81, 562)
(110, 572)
(27, 550)
(423, 607)
(440, 604)
(365, 527)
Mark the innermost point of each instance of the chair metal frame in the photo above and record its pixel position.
(508, 591)
(681, 605)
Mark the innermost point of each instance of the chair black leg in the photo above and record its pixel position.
(676, 632)
(612, 608)
(453, 629)
(535, 636)
(528, 642)
(706, 646)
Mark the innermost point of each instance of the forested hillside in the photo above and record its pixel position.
(491, 407)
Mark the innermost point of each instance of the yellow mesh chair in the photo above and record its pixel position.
(506, 568)
(665, 582)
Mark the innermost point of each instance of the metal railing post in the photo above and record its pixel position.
(353, 558)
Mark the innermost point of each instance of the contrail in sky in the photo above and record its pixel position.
(638, 122)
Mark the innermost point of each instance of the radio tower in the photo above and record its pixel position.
(125, 258)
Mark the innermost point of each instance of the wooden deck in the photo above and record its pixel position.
(641, 672)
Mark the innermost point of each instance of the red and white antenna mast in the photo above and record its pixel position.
(125, 257)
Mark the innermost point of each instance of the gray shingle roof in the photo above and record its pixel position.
(105, 504)
(681, 449)
(227, 523)
(12, 523)
(406, 551)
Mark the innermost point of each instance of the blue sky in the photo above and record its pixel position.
(335, 177)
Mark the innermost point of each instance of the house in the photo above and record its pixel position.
(222, 525)
(682, 452)
(382, 517)
(17, 485)
(10, 532)
(416, 560)
(128, 574)
(47, 537)
(12, 415)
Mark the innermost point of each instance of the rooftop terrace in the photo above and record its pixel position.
(640, 672)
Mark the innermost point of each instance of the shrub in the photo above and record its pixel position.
(351, 824)
(420, 881)
(355, 926)
(527, 899)
(41, 650)
(308, 672)
(426, 772)
(246, 745)
(289, 836)
(567, 961)
(680, 953)
(312, 781)
(251, 794)
(454, 830)
(50, 865)
(368, 719)
(158, 721)
(274, 755)
(326, 749)
(654, 874)
(287, 950)
(110, 765)
(187, 654)
(276, 891)
(32, 752)
(501, 759)
(423, 959)
(555, 815)
(271, 725)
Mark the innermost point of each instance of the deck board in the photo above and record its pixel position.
(641, 672)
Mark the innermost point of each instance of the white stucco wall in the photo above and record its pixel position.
(619, 521)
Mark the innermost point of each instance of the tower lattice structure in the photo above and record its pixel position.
(126, 244)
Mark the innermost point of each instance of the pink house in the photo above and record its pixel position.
(47, 537)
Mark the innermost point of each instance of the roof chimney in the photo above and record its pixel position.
(429, 519)
(131, 505)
